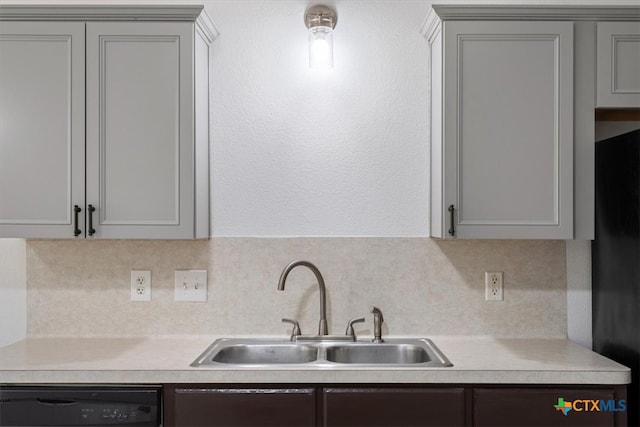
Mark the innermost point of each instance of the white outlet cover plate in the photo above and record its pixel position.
(494, 286)
(191, 285)
(141, 285)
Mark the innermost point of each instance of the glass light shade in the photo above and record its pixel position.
(320, 47)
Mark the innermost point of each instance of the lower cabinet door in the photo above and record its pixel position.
(406, 407)
(244, 407)
(549, 407)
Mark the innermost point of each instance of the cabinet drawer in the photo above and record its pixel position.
(537, 407)
(406, 407)
(239, 407)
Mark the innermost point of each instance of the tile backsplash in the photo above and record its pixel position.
(423, 286)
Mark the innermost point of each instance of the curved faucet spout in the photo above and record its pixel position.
(322, 327)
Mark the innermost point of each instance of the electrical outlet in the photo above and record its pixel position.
(191, 285)
(140, 285)
(493, 282)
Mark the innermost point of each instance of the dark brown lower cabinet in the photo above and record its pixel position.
(356, 405)
(241, 407)
(386, 407)
(535, 407)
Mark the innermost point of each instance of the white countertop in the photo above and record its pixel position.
(155, 360)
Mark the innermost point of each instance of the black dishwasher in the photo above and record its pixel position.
(71, 406)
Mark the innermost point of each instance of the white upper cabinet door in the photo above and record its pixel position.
(42, 129)
(140, 130)
(619, 64)
(507, 120)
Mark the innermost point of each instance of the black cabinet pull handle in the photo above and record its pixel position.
(76, 211)
(452, 229)
(90, 229)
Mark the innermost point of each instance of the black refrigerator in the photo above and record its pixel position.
(615, 256)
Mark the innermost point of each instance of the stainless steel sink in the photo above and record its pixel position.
(255, 352)
(383, 353)
(266, 354)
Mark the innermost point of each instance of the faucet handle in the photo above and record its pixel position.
(350, 332)
(296, 328)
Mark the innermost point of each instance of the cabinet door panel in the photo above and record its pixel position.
(619, 64)
(239, 407)
(537, 407)
(508, 128)
(371, 407)
(140, 129)
(41, 128)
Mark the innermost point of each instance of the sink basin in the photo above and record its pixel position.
(257, 352)
(383, 353)
(266, 353)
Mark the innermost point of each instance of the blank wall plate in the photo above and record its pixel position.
(191, 285)
(141, 285)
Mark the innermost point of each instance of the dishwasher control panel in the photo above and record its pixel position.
(79, 406)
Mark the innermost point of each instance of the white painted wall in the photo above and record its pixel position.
(299, 152)
(13, 291)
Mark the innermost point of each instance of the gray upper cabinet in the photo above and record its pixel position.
(140, 110)
(141, 149)
(42, 128)
(619, 64)
(502, 130)
(513, 98)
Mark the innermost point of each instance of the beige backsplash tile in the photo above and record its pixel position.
(424, 287)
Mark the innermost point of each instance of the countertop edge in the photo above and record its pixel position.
(316, 377)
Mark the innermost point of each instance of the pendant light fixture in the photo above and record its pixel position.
(320, 20)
